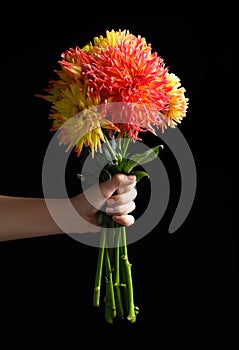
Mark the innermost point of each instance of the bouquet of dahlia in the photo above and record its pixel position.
(115, 88)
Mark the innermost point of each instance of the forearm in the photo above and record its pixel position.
(25, 217)
(29, 217)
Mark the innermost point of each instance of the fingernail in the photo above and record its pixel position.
(131, 177)
(110, 201)
(109, 210)
(115, 217)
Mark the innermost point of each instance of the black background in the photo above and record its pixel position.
(179, 279)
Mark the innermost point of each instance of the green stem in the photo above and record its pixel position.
(111, 241)
(130, 297)
(123, 277)
(110, 148)
(96, 299)
(108, 310)
(125, 147)
(119, 145)
(110, 299)
(117, 284)
(119, 298)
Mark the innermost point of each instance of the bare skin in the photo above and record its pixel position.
(22, 217)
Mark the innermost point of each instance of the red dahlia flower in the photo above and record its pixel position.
(117, 68)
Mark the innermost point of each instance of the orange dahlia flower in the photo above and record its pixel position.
(120, 67)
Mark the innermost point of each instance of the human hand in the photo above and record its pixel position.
(118, 205)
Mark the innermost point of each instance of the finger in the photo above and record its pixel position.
(118, 182)
(126, 187)
(124, 179)
(121, 209)
(97, 195)
(125, 220)
(121, 199)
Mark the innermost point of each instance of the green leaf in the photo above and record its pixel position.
(140, 174)
(142, 158)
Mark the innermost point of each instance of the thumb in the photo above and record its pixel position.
(117, 182)
(98, 195)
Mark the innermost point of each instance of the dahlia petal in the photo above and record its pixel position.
(119, 68)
